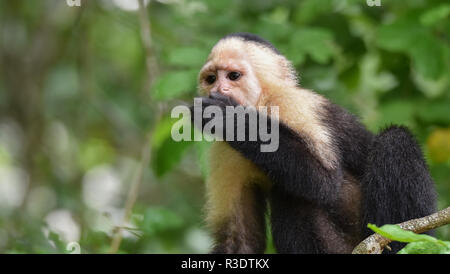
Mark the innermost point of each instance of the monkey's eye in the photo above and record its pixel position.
(210, 79)
(234, 75)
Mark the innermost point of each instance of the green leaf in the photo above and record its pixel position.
(188, 57)
(418, 243)
(434, 15)
(316, 42)
(371, 78)
(175, 84)
(279, 15)
(308, 10)
(424, 247)
(397, 36)
(394, 232)
(431, 88)
(168, 155)
(408, 36)
(428, 56)
(162, 131)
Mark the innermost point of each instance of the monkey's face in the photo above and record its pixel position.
(229, 72)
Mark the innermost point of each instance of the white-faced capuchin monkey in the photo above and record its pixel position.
(329, 176)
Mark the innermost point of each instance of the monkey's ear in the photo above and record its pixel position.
(227, 100)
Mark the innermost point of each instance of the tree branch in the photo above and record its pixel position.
(132, 197)
(147, 42)
(375, 243)
(152, 70)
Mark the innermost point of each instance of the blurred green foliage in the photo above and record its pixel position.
(77, 106)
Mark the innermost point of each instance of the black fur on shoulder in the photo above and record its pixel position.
(351, 138)
(253, 38)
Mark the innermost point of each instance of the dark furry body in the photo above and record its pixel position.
(378, 179)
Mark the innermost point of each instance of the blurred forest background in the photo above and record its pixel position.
(86, 93)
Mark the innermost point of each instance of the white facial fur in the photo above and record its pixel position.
(246, 90)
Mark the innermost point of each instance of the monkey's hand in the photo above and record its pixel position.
(205, 109)
(218, 99)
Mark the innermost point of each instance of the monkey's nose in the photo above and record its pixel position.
(224, 90)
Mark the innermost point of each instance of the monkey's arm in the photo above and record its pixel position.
(293, 168)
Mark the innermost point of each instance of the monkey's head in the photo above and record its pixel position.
(244, 67)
